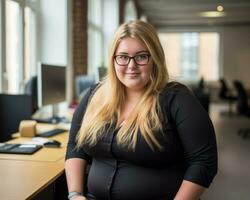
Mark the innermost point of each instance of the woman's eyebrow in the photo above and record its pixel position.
(138, 52)
(143, 51)
(123, 53)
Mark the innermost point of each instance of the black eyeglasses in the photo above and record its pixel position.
(140, 59)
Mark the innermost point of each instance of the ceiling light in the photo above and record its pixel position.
(220, 8)
(212, 14)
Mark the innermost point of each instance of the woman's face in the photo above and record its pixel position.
(134, 72)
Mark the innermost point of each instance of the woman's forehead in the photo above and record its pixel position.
(131, 45)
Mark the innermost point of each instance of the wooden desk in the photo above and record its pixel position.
(43, 155)
(25, 179)
(26, 176)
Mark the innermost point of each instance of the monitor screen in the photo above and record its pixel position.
(51, 84)
(13, 109)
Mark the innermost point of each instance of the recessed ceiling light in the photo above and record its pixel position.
(220, 8)
(212, 14)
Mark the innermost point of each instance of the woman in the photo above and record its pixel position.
(146, 138)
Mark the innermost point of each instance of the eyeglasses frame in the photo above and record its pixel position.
(132, 57)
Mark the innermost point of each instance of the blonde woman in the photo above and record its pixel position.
(144, 137)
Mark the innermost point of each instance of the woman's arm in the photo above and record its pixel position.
(197, 137)
(189, 191)
(75, 173)
(76, 159)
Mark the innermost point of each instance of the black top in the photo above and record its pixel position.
(189, 153)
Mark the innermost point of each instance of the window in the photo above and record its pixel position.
(29, 43)
(2, 43)
(189, 55)
(193, 55)
(14, 46)
(18, 44)
(101, 26)
(95, 41)
(130, 11)
(95, 50)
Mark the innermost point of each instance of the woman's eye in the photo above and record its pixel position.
(141, 57)
(123, 57)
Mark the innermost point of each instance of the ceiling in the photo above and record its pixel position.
(175, 13)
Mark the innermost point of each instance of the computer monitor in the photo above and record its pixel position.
(51, 84)
(13, 109)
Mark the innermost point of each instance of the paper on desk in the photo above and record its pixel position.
(27, 145)
(37, 141)
(32, 143)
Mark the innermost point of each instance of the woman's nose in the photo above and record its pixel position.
(132, 64)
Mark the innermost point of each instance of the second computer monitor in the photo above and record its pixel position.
(51, 84)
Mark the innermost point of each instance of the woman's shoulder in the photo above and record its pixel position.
(175, 88)
(86, 96)
(177, 95)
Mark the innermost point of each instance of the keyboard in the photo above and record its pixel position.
(7, 147)
(52, 120)
(19, 148)
(51, 133)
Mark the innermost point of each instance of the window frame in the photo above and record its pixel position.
(105, 34)
(3, 70)
(199, 31)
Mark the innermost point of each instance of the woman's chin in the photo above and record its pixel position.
(135, 86)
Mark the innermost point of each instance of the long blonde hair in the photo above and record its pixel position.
(108, 98)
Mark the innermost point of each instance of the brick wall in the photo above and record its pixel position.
(121, 11)
(79, 38)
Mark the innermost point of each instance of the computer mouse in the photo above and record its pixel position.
(52, 143)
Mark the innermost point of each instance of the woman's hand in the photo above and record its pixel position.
(79, 198)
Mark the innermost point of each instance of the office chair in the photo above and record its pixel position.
(31, 89)
(14, 108)
(242, 105)
(202, 94)
(224, 94)
(199, 87)
(82, 83)
(102, 72)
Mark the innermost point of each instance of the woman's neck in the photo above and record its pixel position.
(132, 98)
(133, 95)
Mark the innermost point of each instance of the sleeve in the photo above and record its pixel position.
(196, 133)
(72, 152)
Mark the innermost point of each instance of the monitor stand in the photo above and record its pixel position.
(54, 119)
(51, 120)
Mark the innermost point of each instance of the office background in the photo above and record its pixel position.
(77, 34)
(200, 40)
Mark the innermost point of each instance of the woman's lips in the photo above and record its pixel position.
(132, 75)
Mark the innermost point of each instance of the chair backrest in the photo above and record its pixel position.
(31, 89)
(201, 84)
(200, 87)
(13, 109)
(242, 100)
(83, 82)
(223, 89)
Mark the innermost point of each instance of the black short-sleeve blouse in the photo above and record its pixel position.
(190, 153)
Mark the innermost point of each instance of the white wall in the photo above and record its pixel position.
(53, 39)
(236, 53)
(52, 31)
